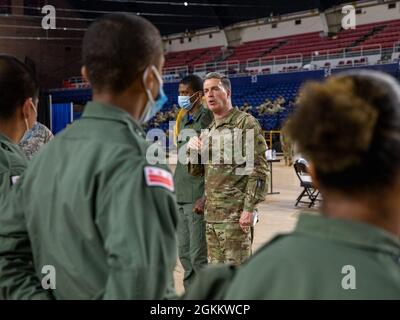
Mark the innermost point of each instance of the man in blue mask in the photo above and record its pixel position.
(103, 219)
(190, 189)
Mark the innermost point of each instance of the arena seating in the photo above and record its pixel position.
(384, 33)
(245, 89)
(191, 57)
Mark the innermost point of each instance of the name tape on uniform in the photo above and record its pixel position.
(158, 177)
(14, 179)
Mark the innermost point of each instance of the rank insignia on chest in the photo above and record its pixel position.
(157, 177)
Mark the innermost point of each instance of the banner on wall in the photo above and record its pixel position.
(61, 114)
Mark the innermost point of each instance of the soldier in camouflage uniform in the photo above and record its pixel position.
(231, 197)
(34, 139)
(287, 145)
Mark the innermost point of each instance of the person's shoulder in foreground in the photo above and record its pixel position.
(351, 251)
(90, 204)
(323, 259)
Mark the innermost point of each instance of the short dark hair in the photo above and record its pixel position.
(349, 127)
(117, 48)
(193, 81)
(224, 79)
(17, 83)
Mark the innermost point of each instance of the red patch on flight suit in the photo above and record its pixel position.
(159, 178)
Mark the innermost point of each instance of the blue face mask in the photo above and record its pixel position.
(184, 102)
(153, 106)
(27, 136)
(29, 132)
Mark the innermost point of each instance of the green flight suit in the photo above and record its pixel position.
(191, 226)
(322, 258)
(12, 164)
(90, 206)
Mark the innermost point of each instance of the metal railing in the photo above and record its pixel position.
(396, 47)
(222, 67)
(344, 53)
(274, 60)
(171, 74)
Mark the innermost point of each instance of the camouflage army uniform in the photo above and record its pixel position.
(262, 109)
(229, 194)
(34, 139)
(287, 146)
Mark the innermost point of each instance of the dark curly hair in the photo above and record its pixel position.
(349, 127)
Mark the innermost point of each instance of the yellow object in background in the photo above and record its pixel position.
(178, 119)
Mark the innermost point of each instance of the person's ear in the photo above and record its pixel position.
(27, 109)
(150, 80)
(228, 93)
(85, 73)
(312, 172)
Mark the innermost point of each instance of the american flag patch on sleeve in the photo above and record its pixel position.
(158, 177)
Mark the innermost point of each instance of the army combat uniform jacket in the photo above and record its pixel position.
(92, 210)
(35, 139)
(229, 191)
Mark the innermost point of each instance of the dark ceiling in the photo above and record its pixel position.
(173, 16)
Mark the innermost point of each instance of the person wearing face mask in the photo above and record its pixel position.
(190, 189)
(18, 91)
(102, 217)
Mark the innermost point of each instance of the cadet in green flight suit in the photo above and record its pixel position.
(90, 207)
(19, 93)
(349, 129)
(190, 189)
(18, 90)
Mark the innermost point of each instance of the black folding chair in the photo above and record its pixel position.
(310, 192)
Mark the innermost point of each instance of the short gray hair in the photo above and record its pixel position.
(224, 79)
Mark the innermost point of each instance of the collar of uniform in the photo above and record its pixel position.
(199, 112)
(10, 144)
(5, 139)
(226, 119)
(110, 112)
(195, 116)
(353, 233)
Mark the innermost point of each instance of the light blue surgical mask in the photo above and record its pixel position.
(153, 106)
(29, 131)
(184, 102)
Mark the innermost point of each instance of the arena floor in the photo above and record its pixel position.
(277, 214)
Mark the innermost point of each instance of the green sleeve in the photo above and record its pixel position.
(257, 183)
(18, 279)
(5, 183)
(137, 223)
(211, 283)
